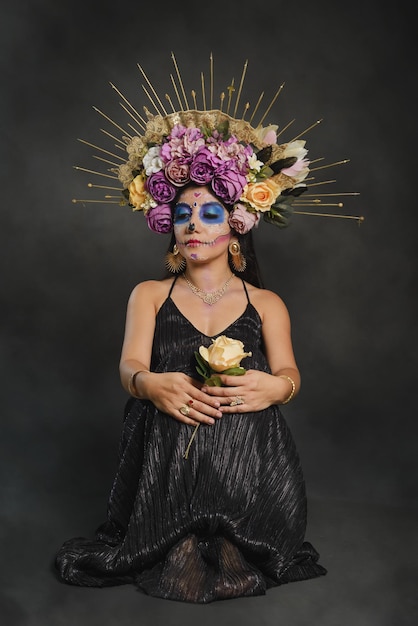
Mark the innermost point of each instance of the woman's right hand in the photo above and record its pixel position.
(172, 391)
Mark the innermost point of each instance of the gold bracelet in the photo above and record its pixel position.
(131, 383)
(292, 393)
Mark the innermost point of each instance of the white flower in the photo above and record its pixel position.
(152, 161)
(254, 164)
(149, 203)
(295, 149)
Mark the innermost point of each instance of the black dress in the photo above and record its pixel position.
(228, 521)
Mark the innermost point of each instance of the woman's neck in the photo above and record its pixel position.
(208, 277)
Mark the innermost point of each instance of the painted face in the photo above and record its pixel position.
(200, 223)
(209, 213)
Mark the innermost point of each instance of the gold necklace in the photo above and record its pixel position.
(210, 297)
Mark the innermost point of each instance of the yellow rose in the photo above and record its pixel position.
(261, 195)
(137, 193)
(224, 353)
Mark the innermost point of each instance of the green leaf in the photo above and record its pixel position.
(202, 366)
(203, 373)
(213, 381)
(206, 131)
(276, 219)
(265, 172)
(223, 129)
(199, 358)
(264, 154)
(280, 212)
(282, 164)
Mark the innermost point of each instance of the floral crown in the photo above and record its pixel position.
(244, 165)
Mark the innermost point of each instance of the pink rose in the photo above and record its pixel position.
(159, 219)
(242, 220)
(177, 172)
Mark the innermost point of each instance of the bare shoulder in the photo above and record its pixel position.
(266, 302)
(150, 292)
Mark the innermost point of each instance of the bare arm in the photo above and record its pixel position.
(278, 347)
(168, 391)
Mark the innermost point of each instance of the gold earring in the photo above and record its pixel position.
(238, 260)
(174, 262)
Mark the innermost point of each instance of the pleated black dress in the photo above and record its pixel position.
(226, 522)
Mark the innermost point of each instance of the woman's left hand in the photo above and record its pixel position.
(253, 391)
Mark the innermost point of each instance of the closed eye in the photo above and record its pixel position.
(212, 212)
(182, 213)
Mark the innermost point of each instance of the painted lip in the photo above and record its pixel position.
(193, 243)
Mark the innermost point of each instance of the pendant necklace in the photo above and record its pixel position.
(210, 297)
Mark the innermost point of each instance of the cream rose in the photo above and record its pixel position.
(261, 195)
(138, 195)
(224, 353)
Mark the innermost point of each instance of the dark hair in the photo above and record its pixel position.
(252, 273)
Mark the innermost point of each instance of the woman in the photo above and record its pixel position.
(208, 502)
(230, 519)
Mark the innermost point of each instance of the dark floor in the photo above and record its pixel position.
(371, 554)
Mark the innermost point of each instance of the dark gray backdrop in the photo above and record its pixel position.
(68, 269)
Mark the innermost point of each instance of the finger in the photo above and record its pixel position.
(228, 409)
(232, 381)
(207, 409)
(192, 416)
(206, 400)
(219, 392)
(206, 406)
(234, 402)
(185, 419)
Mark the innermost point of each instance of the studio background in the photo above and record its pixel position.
(68, 270)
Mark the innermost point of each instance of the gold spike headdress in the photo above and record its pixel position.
(243, 163)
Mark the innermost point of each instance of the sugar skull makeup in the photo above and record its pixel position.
(200, 223)
(209, 213)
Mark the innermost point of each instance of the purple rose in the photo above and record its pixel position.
(202, 168)
(177, 172)
(228, 182)
(159, 219)
(160, 188)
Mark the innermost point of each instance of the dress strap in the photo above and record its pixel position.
(246, 292)
(172, 285)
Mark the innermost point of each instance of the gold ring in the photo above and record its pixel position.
(185, 410)
(238, 400)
